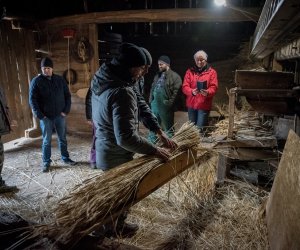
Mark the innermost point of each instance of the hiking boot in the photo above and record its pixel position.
(125, 230)
(7, 189)
(68, 161)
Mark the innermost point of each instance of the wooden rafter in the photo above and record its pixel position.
(158, 15)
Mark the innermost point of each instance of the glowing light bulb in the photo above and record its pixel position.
(220, 2)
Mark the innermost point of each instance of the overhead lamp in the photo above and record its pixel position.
(220, 2)
(251, 16)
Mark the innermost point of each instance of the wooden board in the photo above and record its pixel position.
(282, 212)
(157, 15)
(247, 79)
(248, 143)
(165, 172)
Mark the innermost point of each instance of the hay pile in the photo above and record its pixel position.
(191, 213)
(92, 203)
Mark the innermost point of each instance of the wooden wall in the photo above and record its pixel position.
(59, 53)
(18, 66)
(20, 63)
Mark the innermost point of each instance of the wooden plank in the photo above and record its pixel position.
(165, 172)
(17, 48)
(247, 143)
(157, 15)
(223, 168)
(251, 154)
(231, 108)
(247, 79)
(12, 85)
(267, 93)
(282, 211)
(93, 38)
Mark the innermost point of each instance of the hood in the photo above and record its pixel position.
(111, 75)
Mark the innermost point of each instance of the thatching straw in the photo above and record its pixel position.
(228, 218)
(93, 203)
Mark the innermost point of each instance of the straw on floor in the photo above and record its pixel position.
(91, 204)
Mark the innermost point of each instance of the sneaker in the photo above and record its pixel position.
(69, 162)
(7, 189)
(45, 167)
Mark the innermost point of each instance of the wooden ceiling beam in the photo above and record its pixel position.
(159, 15)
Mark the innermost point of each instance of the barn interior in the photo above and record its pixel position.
(237, 186)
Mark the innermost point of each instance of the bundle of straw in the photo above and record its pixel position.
(99, 198)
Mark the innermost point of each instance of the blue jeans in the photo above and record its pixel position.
(93, 149)
(47, 125)
(198, 117)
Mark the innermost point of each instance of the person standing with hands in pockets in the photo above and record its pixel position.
(50, 101)
(200, 85)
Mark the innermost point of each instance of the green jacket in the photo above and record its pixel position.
(172, 85)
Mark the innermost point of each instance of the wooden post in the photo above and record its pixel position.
(231, 112)
(223, 168)
(93, 38)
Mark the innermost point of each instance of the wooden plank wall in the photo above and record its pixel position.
(18, 66)
(59, 53)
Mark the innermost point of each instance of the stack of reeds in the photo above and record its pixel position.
(248, 126)
(99, 198)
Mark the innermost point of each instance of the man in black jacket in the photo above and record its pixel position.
(50, 100)
(115, 105)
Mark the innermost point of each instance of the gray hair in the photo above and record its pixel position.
(201, 53)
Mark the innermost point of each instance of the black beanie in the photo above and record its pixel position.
(131, 56)
(165, 59)
(148, 56)
(47, 62)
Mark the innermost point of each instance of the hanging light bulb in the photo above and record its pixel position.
(220, 2)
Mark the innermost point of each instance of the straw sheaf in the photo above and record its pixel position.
(92, 203)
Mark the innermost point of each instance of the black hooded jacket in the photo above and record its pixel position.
(115, 116)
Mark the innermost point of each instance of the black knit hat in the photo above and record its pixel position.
(46, 62)
(148, 56)
(131, 56)
(164, 59)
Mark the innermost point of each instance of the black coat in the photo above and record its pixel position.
(49, 97)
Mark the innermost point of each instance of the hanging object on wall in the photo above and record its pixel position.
(82, 50)
(68, 33)
(70, 76)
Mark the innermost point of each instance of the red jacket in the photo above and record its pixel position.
(190, 82)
